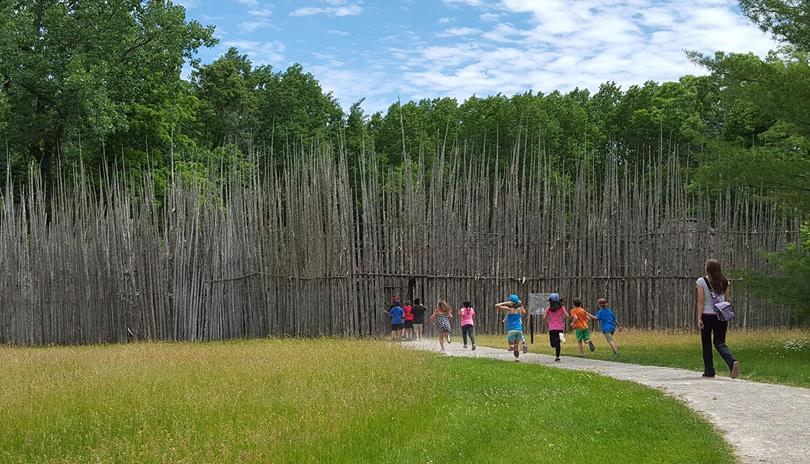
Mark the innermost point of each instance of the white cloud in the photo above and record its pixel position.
(473, 3)
(252, 26)
(260, 20)
(517, 45)
(269, 52)
(333, 8)
(349, 85)
(551, 45)
(458, 32)
(261, 12)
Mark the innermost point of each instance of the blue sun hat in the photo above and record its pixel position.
(554, 298)
(514, 299)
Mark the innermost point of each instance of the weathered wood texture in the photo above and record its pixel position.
(296, 252)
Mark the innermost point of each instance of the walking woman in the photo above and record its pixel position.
(712, 329)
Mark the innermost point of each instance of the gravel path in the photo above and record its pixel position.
(763, 422)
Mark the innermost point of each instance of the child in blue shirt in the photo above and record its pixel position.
(397, 315)
(515, 310)
(608, 323)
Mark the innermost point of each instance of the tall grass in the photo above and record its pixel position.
(327, 401)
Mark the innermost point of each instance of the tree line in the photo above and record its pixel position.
(99, 83)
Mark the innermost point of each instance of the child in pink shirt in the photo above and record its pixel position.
(555, 316)
(467, 317)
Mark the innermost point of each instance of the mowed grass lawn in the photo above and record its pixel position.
(327, 400)
(766, 356)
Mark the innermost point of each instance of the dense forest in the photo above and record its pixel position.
(98, 84)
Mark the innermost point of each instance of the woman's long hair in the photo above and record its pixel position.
(717, 279)
(444, 307)
(554, 305)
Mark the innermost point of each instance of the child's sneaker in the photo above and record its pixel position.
(590, 345)
(556, 359)
(448, 338)
(473, 348)
(464, 346)
(516, 353)
(525, 347)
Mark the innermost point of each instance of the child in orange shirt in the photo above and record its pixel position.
(579, 322)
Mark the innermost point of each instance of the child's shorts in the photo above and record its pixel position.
(514, 336)
(583, 335)
(397, 327)
(409, 324)
(608, 335)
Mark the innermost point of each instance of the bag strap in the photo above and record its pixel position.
(708, 284)
(715, 296)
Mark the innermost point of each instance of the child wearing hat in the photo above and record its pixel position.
(555, 316)
(608, 323)
(515, 311)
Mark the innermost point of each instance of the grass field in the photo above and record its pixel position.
(767, 356)
(327, 401)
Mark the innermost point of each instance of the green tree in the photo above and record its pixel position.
(228, 90)
(294, 110)
(769, 101)
(787, 20)
(357, 137)
(88, 71)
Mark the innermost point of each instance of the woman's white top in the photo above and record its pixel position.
(708, 303)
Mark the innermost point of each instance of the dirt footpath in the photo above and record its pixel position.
(763, 422)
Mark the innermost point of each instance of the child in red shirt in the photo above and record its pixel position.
(408, 330)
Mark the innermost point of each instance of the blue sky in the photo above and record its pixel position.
(432, 48)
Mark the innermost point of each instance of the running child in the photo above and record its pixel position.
(608, 323)
(579, 322)
(442, 315)
(467, 317)
(555, 316)
(397, 315)
(522, 339)
(515, 311)
(418, 311)
(407, 332)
